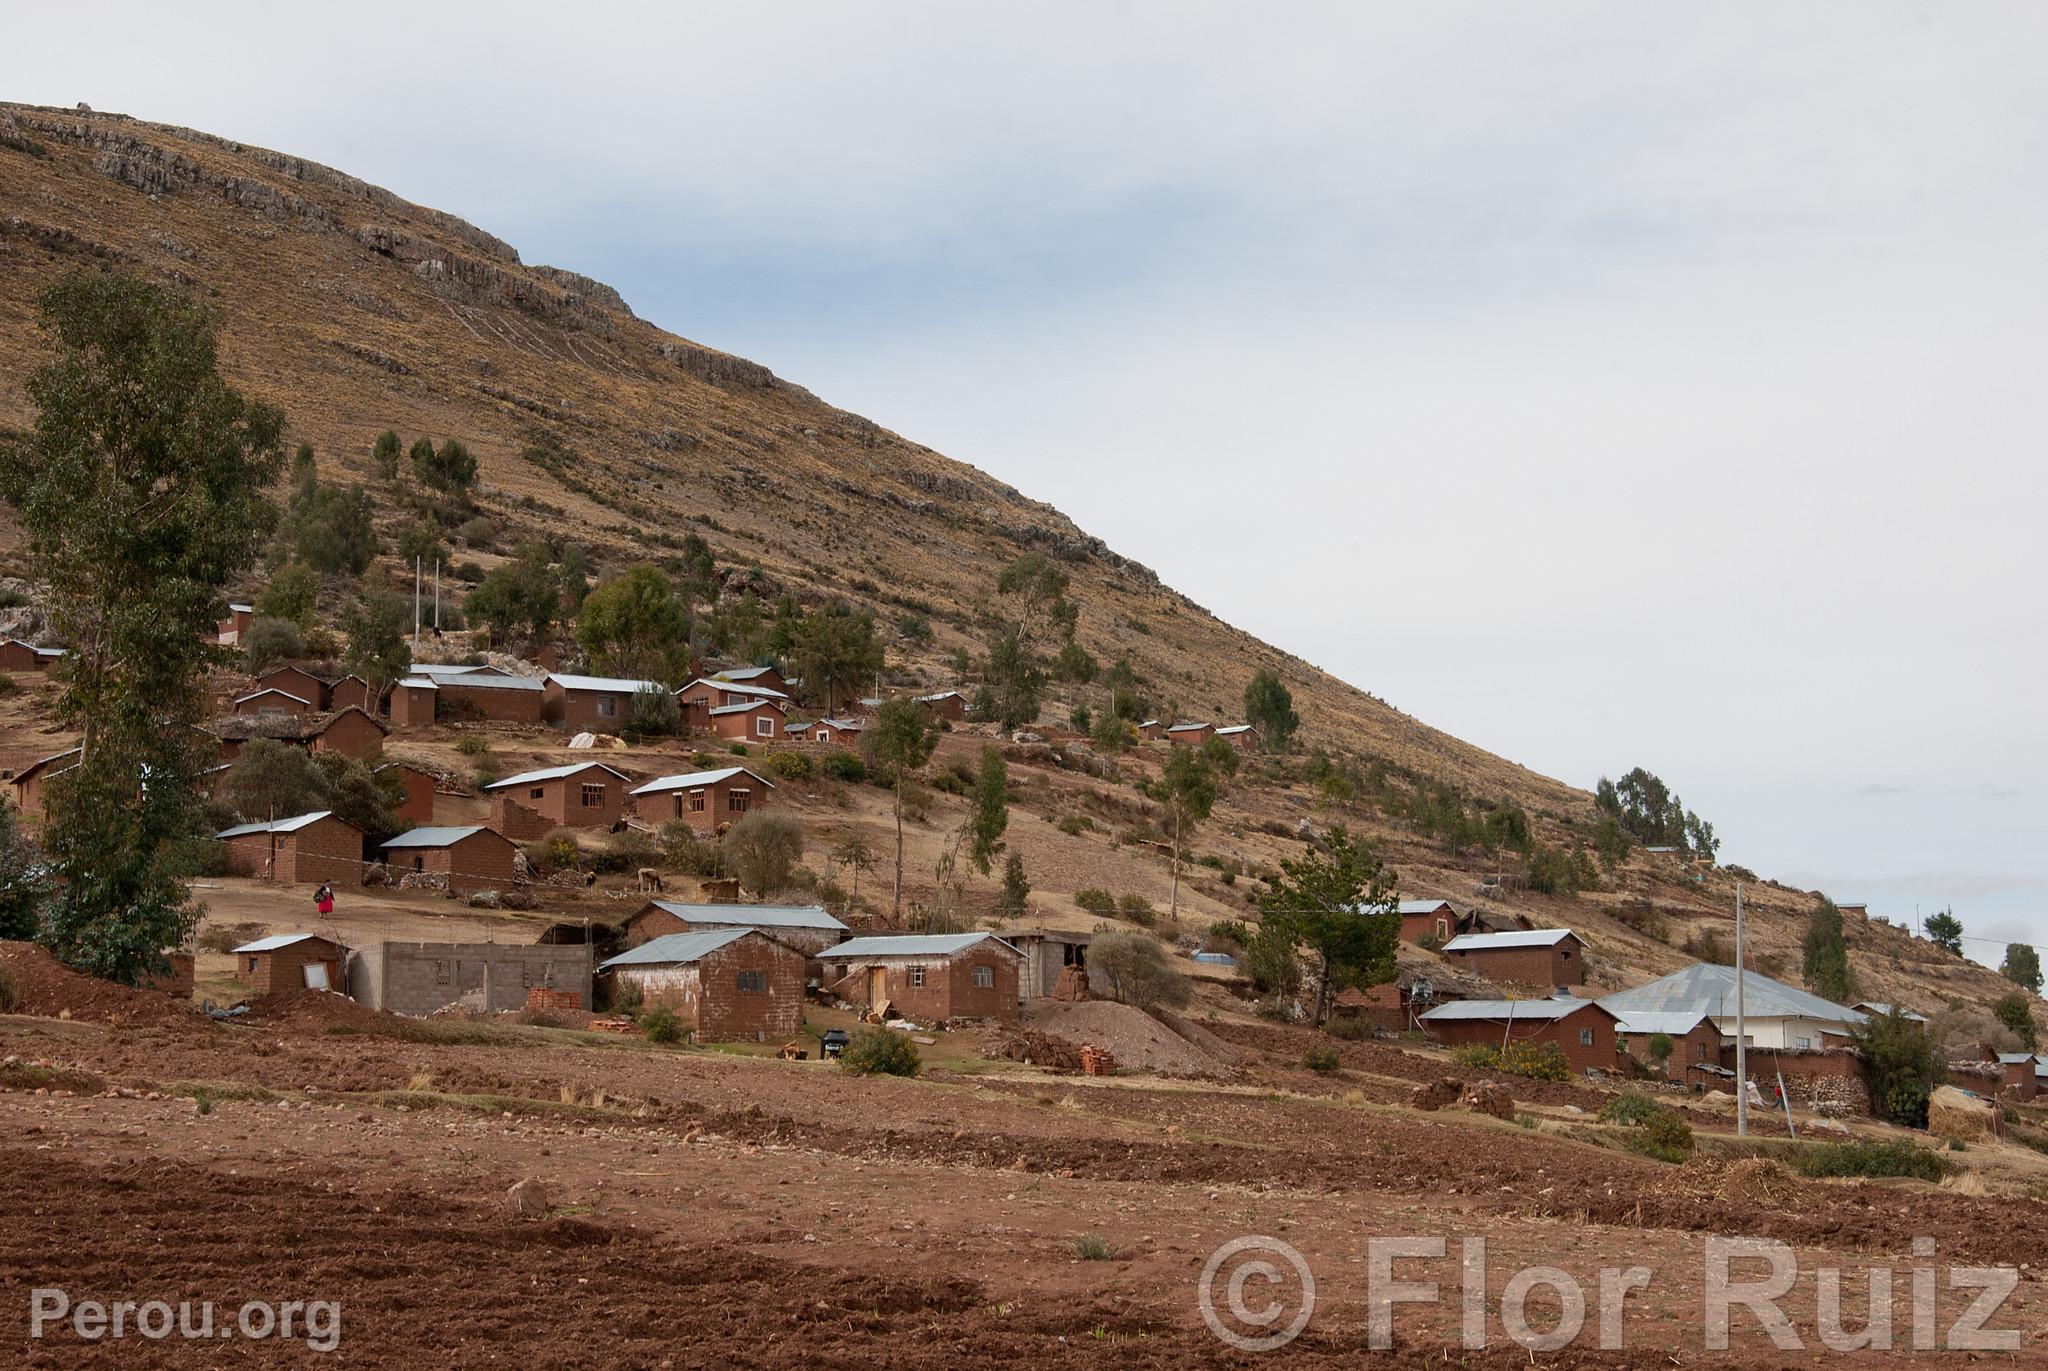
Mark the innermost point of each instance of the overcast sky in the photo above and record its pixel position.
(1607, 384)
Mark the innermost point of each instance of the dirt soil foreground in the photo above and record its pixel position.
(702, 1209)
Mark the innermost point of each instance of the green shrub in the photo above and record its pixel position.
(662, 1026)
(1476, 1056)
(1097, 902)
(1863, 1157)
(1090, 1247)
(1322, 1060)
(879, 1052)
(1631, 1107)
(1663, 1136)
(472, 745)
(1536, 1061)
(841, 765)
(1137, 909)
(738, 750)
(1074, 825)
(951, 783)
(8, 685)
(1350, 1027)
(791, 766)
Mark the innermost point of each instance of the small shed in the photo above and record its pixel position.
(756, 719)
(1152, 730)
(594, 704)
(839, 732)
(32, 781)
(1438, 919)
(1584, 1030)
(1190, 733)
(1243, 737)
(460, 860)
(579, 795)
(1047, 952)
(419, 978)
(2018, 1075)
(16, 655)
(807, 928)
(307, 849)
(418, 805)
(733, 985)
(760, 677)
(290, 961)
(271, 700)
(349, 692)
(931, 977)
(1696, 1041)
(296, 681)
(945, 706)
(229, 631)
(1537, 957)
(705, 800)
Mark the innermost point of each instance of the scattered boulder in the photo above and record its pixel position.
(528, 1199)
(1442, 1091)
(1951, 1113)
(1489, 1097)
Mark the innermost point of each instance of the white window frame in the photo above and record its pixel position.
(984, 977)
(917, 977)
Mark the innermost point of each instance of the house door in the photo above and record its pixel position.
(878, 986)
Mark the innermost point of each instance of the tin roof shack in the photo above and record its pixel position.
(929, 978)
(16, 655)
(290, 961)
(945, 706)
(1438, 919)
(842, 732)
(593, 704)
(807, 928)
(418, 805)
(1243, 737)
(762, 677)
(1047, 952)
(1776, 1015)
(707, 801)
(1695, 1043)
(270, 700)
(31, 782)
(579, 795)
(700, 697)
(419, 978)
(734, 985)
(1190, 733)
(295, 681)
(1544, 957)
(1152, 730)
(757, 719)
(307, 849)
(229, 631)
(2018, 1076)
(1582, 1029)
(459, 860)
(350, 732)
(432, 693)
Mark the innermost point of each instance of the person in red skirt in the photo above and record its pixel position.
(323, 899)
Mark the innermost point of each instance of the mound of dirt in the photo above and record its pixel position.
(1745, 1181)
(46, 987)
(313, 1010)
(1136, 1039)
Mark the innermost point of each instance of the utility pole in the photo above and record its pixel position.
(415, 604)
(437, 597)
(1741, 1029)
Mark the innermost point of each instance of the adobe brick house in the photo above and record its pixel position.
(418, 805)
(949, 706)
(1384, 1006)
(433, 693)
(756, 720)
(469, 859)
(1047, 952)
(271, 700)
(232, 628)
(807, 928)
(1152, 730)
(1190, 733)
(1695, 1042)
(16, 655)
(579, 795)
(31, 781)
(1584, 1030)
(294, 680)
(700, 697)
(592, 704)
(1243, 737)
(351, 732)
(929, 978)
(308, 849)
(706, 800)
(349, 692)
(834, 732)
(1437, 919)
(290, 961)
(734, 985)
(1539, 957)
(2018, 1076)
(762, 677)
(419, 978)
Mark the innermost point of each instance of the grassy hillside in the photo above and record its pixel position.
(357, 311)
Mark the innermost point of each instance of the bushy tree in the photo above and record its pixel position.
(329, 528)
(141, 489)
(1342, 905)
(635, 624)
(25, 888)
(899, 741)
(763, 849)
(384, 453)
(1011, 681)
(273, 780)
(2017, 1014)
(656, 714)
(1651, 813)
(1187, 791)
(377, 647)
(269, 642)
(2022, 966)
(1901, 1065)
(419, 544)
(1135, 969)
(1945, 931)
(449, 468)
(293, 591)
(520, 599)
(989, 813)
(1016, 891)
(1269, 707)
(837, 652)
(1826, 953)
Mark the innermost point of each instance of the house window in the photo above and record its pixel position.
(1802, 1043)
(764, 725)
(737, 801)
(753, 982)
(253, 961)
(593, 795)
(824, 736)
(917, 977)
(607, 707)
(537, 793)
(1585, 1037)
(696, 802)
(1443, 928)
(1699, 1052)
(440, 973)
(526, 975)
(984, 977)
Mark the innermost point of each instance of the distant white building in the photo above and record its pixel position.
(1775, 1015)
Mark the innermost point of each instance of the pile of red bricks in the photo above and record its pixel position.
(1071, 985)
(1097, 1061)
(541, 997)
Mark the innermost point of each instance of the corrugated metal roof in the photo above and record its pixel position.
(618, 685)
(554, 773)
(1423, 906)
(940, 695)
(1676, 1022)
(739, 688)
(479, 681)
(912, 945)
(1494, 942)
(275, 941)
(1188, 728)
(291, 825)
(1879, 1009)
(742, 673)
(435, 837)
(2009, 1058)
(1234, 728)
(671, 948)
(753, 915)
(271, 690)
(1518, 1010)
(745, 708)
(693, 779)
(419, 683)
(1710, 989)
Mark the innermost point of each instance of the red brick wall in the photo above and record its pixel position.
(419, 796)
(726, 1014)
(747, 725)
(284, 969)
(1702, 1044)
(482, 861)
(1191, 735)
(352, 733)
(412, 706)
(177, 981)
(513, 819)
(276, 704)
(1564, 1032)
(329, 850)
(497, 706)
(578, 710)
(1538, 966)
(294, 681)
(718, 811)
(18, 657)
(562, 800)
(948, 991)
(2018, 1081)
(349, 692)
(1416, 927)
